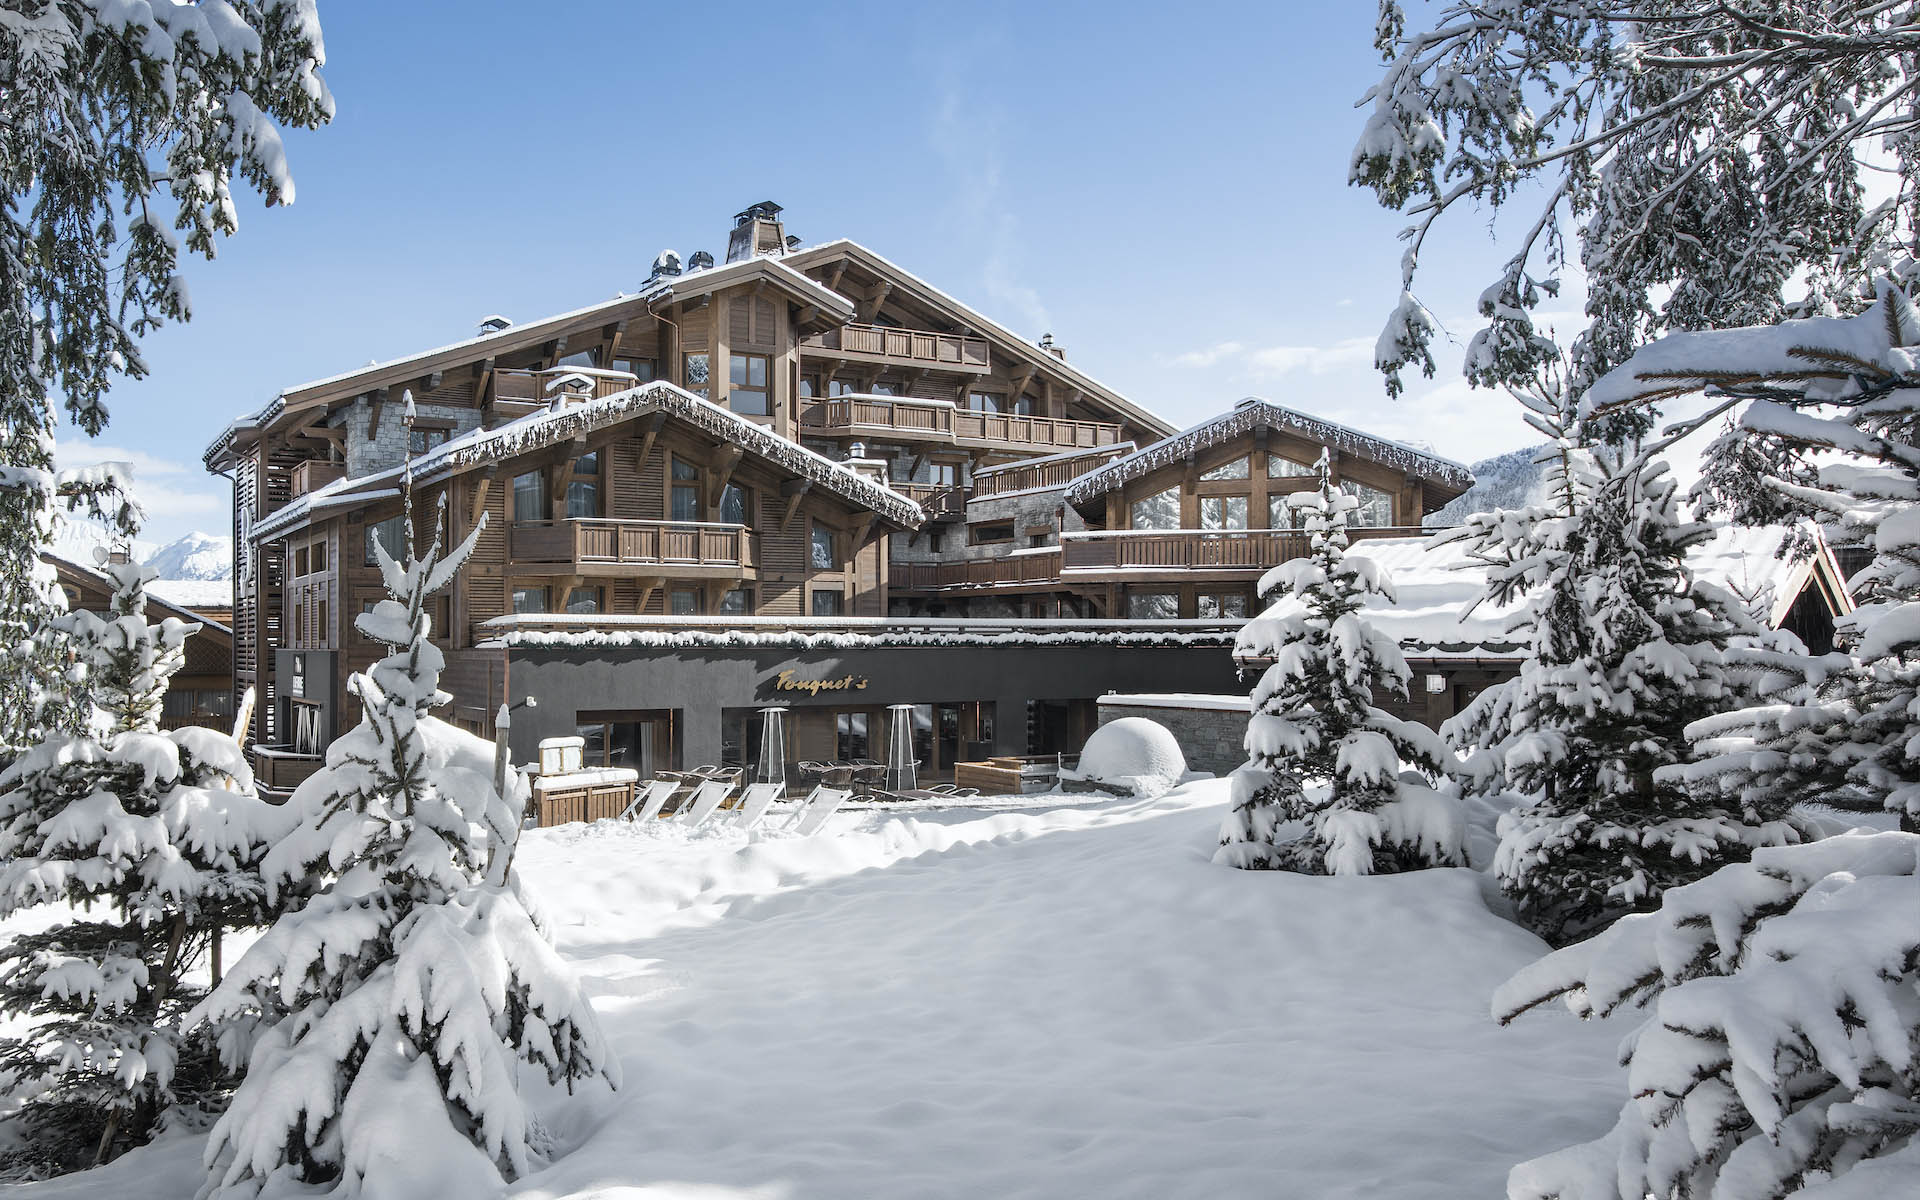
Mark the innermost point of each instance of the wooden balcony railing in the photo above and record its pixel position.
(1026, 477)
(590, 542)
(939, 420)
(915, 347)
(1226, 549)
(314, 474)
(513, 392)
(937, 500)
(1012, 570)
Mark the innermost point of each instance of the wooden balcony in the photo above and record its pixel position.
(901, 347)
(896, 419)
(1027, 477)
(1012, 572)
(1140, 555)
(590, 546)
(940, 501)
(314, 474)
(515, 393)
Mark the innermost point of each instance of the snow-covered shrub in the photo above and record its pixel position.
(158, 834)
(1133, 755)
(397, 1006)
(1782, 1051)
(1331, 758)
(1625, 648)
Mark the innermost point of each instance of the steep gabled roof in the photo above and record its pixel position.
(659, 291)
(1004, 340)
(1254, 413)
(563, 421)
(82, 573)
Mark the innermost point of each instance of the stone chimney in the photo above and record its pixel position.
(757, 231)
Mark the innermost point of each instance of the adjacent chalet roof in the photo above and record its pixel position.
(1005, 340)
(394, 372)
(1255, 413)
(564, 420)
(1438, 613)
(79, 575)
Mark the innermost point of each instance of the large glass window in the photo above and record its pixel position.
(737, 603)
(1376, 506)
(850, 741)
(943, 474)
(1281, 515)
(1153, 606)
(391, 534)
(686, 491)
(829, 602)
(683, 602)
(640, 368)
(1223, 512)
(987, 402)
(584, 358)
(736, 507)
(583, 491)
(1223, 606)
(530, 497)
(747, 384)
(820, 550)
(1161, 511)
(584, 600)
(419, 440)
(1280, 466)
(1237, 469)
(530, 599)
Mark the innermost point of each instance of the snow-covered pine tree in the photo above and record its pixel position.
(399, 1003)
(1315, 723)
(1782, 1052)
(1842, 726)
(1624, 649)
(156, 833)
(120, 124)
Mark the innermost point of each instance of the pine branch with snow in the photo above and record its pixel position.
(1319, 750)
(396, 1008)
(1781, 1051)
(155, 836)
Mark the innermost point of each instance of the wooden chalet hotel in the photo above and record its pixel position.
(800, 476)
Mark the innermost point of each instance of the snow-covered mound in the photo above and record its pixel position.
(1064, 1003)
(193, 593)
(195, 556)
(1132, 755)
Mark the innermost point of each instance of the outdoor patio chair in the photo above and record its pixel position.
(755, 801)
(809, 769)
(648, 800)
(826, 802)
(839, 775)
(869, 775)
(706, 801)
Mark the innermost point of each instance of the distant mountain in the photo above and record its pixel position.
(1510, 480)
(195, 556)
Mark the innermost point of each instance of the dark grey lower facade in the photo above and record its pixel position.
(652, 707)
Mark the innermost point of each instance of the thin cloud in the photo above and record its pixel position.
(960, 120)
(168, 489)
(1266, 363)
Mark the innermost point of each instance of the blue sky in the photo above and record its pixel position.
(1162, 187)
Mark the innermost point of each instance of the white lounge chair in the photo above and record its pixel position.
(755, 802)
(826, 801)
(649, 799)
(707, 799)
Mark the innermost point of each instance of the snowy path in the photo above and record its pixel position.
(1056, 1004)
(1064, 1010)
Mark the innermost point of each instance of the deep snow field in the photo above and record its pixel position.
(1065, 1001)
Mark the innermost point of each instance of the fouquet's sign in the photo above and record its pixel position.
(785, 682)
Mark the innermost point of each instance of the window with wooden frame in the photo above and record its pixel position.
(683, 602)
(424, 436)
(1222, 606)
(747, 392)
(641, 369)
(530, 496)
(822, 553)
(684, 500)
(943, 474)
(737, 603)
(809, 386)
(1231, 469)
(736, 505)
(699, 372)
(1153, 606)
(389, 533)
(583, 490)
(828, 602)
(1376, 506)
(1158, 511)
(992, 534)
(530, 600)
(1279, 466)
(986, 402)
(1223, 512)
(585, 601)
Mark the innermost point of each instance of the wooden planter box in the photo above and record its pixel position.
(586, 796)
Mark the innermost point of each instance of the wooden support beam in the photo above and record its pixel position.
(482, 378)
(1019, 384)
(861, 531)
(720, 469)
(807, 314)
(650, 427)
(839, 273)
(880, 293)
(480, 488)
(648, 585)
(373, 418)
(794, 494)
(565, 588)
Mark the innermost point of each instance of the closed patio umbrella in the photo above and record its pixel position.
(901, 769)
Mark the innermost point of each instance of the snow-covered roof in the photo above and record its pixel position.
(193, 593)
(1062, 456)
(569, 631)
(985, 325)
(1255, 413)
(171, 608)
(1438, 612)
(564, 420)
(664, 288)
